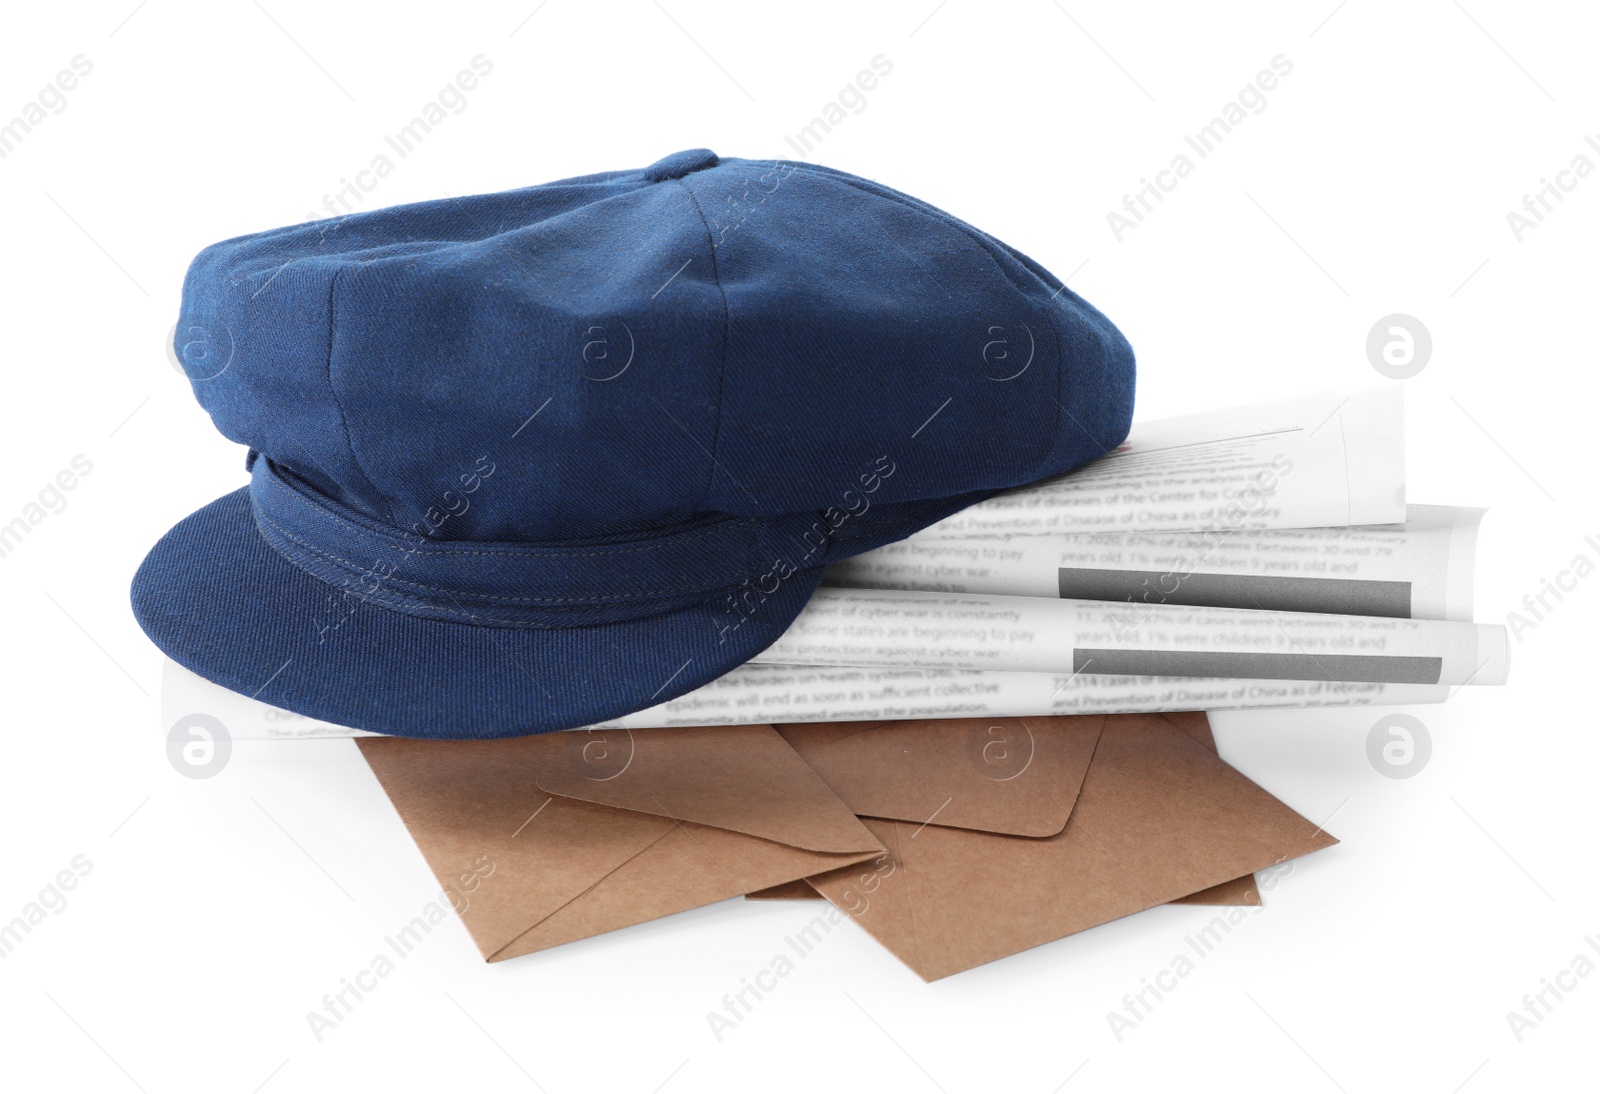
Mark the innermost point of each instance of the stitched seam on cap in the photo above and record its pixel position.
(440, 614)
(722, 374)
(991, 251)
(1061, 405)
(449, 547)
(389, 579)
(344, 422)
(916, 205)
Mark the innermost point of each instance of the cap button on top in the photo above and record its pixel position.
(680, 164)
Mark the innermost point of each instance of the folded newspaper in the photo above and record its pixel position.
(1313, 462)
(1420, 569)
(1262, 556)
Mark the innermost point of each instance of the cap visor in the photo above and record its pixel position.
(217, 599)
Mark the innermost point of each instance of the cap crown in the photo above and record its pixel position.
(640, 350)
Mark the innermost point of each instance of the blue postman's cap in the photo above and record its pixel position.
(531, 460)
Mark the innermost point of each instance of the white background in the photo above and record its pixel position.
(1377, 180)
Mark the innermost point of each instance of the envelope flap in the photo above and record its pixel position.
(1014, 776)
(1195, 723)
(1159, 817)
(740, 778)
(1139, 751)
(505, 853)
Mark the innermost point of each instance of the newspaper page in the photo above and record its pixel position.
(197, 712)
(1316, 461)
(1422, 569)
(856, 627)
(782, 693)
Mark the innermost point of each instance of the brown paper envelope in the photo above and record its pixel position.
(1241, 891)
(813, 739)
(1017, 776)
(1159, 817)
(738, 777)
(820, 743)
(789, 890)
(528, 869)
(1195, 723)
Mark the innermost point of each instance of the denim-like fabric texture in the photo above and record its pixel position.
(525, 461)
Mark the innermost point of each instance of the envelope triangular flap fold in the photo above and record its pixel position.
(1195, 723)
(1159, 817)
(740, 778)
(475, 805)
(1015, 776)
(804, 736)
(1200, 792)
(691, 866)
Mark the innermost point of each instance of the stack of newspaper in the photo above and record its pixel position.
(1263, 556)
